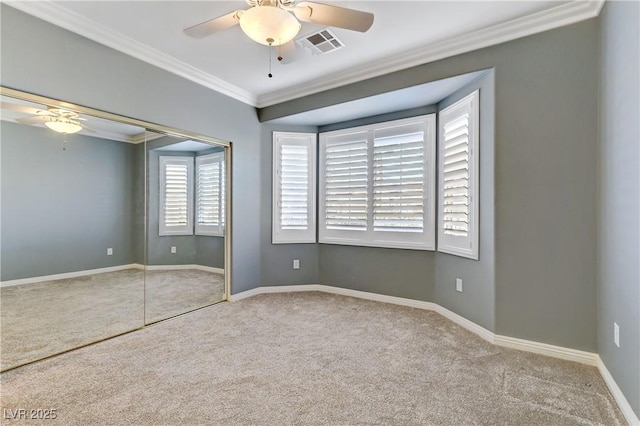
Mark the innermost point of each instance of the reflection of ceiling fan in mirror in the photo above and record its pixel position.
(273, 22)
(57, 119)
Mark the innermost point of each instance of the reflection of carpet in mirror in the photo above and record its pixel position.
(50, 317)
(173, 292)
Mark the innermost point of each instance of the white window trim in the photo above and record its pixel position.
(211, 230)
(187, 229)
(371, 238)
(464, 246)
(293, 236)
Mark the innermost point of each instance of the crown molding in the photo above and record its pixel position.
(564, 14)
(57, 15)
(558, 16)
(145, 136)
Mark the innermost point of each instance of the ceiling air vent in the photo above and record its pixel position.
(322, 42)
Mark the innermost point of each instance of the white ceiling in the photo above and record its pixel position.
(411, 97)
(188, 145)
(404, 33)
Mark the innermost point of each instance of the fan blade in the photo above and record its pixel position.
(213, 25)
(22, 108)
(333, 16)
(33, 120)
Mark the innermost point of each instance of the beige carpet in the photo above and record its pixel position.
(49, 317)
(309, 358)
(170, 293)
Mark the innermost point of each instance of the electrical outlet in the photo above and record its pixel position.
(109, 252)
(296, 263)
(174, 250)
(459, 284)
(616, 334)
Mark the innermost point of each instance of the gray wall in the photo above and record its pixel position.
(619, 192)
(546, 136)
(545, 188)
(209, 251)
(400, 273)
(62, 209)
(86, 73)
(277, 259)
(477, 299)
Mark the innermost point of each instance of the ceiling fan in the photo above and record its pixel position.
(276, 22)
(58, 119)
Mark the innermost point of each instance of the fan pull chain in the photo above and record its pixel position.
(64, 142)
(270, 41)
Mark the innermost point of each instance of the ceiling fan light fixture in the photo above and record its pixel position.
(269, 25)
(63, 125)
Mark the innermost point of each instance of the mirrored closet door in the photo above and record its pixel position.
(89, 220)
(186, 226)
(72, 230)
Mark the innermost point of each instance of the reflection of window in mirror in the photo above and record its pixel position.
(209, 186)
(176, 196)
(189, 198)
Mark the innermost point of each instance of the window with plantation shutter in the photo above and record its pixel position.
(398, 182)
(294, 183)
(346, 197)
(458, 204)
(176, 196)
(377, 185)
(209, 212)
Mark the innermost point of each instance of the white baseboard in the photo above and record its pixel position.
(182, 267)
(334, 290)
(419, 304)
(275, 289)
(624, 405)
(67, 275)
(505, 341)
(465, 323)
(559, 352)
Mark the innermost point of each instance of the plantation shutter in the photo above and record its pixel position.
(222, 198)
(377, 185)
(210, 194)
(176, 195)
(346, 185)
(398, 183)
(294, 216)
(294, 183)
(458, 178)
